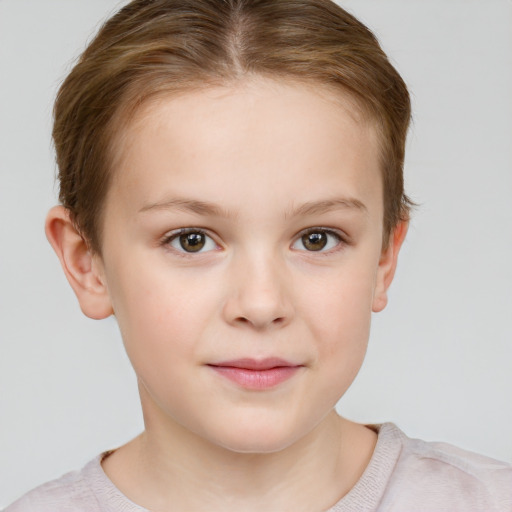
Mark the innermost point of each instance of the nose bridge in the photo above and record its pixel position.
(259, 295)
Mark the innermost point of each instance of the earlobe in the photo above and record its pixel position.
(387, 266)
(82, 268)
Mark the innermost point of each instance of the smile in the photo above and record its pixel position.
(256, 375)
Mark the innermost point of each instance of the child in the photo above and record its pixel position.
(231, 188)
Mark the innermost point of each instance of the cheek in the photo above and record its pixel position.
(341, 331)
(338, 316)
(339, 307)
(161, 313)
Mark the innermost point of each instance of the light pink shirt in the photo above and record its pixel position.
(404, 475)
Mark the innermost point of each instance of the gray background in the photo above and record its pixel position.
(440, 355)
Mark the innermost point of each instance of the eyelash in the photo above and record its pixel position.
(341, 240)
(168, 239)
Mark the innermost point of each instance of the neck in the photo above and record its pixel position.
(168, 467)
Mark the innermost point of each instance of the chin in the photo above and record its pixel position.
(255, 438)
(256, 446)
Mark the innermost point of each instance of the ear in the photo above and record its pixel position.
(387, 266)
(83, 269)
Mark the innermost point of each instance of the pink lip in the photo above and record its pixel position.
(256, 374)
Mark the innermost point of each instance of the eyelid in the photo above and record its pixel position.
(172, 235)
(342, 238)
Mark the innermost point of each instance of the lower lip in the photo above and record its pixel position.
(257, 379)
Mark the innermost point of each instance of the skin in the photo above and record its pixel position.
(253, 165)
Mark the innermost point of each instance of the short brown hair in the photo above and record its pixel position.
(161, 46)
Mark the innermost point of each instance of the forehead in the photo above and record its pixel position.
(249, 138)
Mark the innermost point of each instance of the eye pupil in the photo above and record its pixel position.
(192, 242)
(314, 241)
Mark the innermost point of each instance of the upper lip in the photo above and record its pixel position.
(256, 364)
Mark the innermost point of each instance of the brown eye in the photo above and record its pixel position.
(318, 240)
(192, 242)
(315, 241)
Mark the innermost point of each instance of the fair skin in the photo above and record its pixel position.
(278, 187)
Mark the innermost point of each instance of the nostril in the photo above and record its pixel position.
(257, 308)
(258, 324)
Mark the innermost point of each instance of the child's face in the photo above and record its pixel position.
(279, 190)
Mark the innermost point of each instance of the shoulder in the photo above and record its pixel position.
(438, 476)
(69, 493)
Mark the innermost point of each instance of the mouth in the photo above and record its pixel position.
(254, 374)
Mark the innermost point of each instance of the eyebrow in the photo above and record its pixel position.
(207, 208)
(319, 207)
(188, 205)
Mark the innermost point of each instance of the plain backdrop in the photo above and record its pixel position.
(439, 362)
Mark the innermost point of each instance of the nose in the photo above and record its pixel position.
(258, 294)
